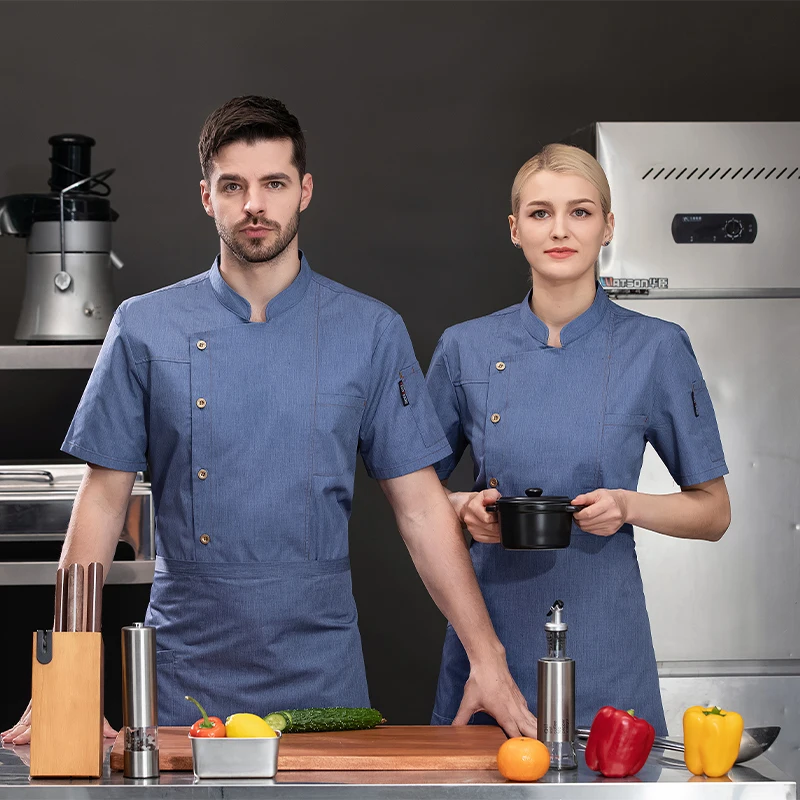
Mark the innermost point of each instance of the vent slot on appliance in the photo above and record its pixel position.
(708, 173)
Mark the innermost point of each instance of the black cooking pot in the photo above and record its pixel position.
(534, 522)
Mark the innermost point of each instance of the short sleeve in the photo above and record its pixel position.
(109, 428)
(682, 426)
(400, 432)
(445, 401)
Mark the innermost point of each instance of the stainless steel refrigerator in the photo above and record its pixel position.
(708, 236)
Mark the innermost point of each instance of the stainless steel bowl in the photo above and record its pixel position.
(235, 758)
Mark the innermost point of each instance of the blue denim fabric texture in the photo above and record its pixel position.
(251, 433)
(571, 420)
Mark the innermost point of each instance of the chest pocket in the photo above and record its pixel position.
(623, 446)
(337, 419)
(170, 406)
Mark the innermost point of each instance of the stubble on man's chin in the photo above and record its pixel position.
(260, 254)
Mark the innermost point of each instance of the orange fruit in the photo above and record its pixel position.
(523, 759)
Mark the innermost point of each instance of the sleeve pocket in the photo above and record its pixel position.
(412, 388)
(704, 411)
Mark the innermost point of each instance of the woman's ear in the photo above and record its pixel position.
(609, 230)
(512, 224)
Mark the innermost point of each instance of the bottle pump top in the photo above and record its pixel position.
(556, 631)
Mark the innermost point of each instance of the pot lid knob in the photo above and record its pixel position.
(533, 492)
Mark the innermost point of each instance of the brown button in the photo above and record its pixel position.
(202, 474)
(493, 483)
(500, 366)
(205, 539)
(201, 402)
(495, 418)
(201, 345)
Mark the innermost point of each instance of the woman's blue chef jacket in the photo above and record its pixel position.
(251, 433)
(570, 420)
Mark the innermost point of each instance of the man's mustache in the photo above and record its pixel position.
(253, 222)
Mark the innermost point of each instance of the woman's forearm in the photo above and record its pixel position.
(696, 512)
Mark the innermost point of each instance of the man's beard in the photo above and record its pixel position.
(254, 251)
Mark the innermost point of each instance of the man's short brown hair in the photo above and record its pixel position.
(250, 119)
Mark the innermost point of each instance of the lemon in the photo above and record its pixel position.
(247, 726)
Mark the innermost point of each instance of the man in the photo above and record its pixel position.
(248, 390)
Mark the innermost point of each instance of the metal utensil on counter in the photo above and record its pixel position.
(755, 741)
(139, 701)
(555, 709)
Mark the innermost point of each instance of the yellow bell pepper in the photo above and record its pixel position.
(711, 739)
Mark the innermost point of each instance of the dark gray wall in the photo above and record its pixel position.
(418, 115)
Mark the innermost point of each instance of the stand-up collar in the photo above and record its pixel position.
(572, 330)
(283, 301)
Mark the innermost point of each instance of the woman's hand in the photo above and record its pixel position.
(471, 510)
(21, 732)
(605, 513)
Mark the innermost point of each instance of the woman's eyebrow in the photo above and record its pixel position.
(548, 204)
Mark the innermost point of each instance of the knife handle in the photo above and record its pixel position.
(75, 595)
(62, 600)
(94, 596)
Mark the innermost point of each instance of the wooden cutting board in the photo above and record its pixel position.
(387, 747)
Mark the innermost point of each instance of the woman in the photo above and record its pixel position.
(562, 392)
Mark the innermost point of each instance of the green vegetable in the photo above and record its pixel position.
(305, 720)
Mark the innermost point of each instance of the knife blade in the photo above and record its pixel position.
(94, 596)
(62, 600)
(75, 594)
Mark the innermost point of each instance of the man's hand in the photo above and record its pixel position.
(471, 510)
(21, 732)
(605, 513)
(493, 690)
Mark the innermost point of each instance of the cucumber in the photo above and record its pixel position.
(305, 720)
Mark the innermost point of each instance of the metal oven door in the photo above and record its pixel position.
(35, 506)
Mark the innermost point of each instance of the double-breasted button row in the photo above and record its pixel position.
(495, 418)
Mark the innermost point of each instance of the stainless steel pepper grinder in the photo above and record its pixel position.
(556, 694)
(139, 701)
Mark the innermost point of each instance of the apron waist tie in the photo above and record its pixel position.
(251, 569)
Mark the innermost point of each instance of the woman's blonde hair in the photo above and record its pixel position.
(568, 160)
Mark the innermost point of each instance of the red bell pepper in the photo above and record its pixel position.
(208, 727)
(619, 743)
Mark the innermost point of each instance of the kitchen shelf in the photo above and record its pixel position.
(43, 573)
(49, 356)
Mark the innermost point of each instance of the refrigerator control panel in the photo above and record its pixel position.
(714, 228)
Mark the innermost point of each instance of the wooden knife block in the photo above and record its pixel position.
(67, 707)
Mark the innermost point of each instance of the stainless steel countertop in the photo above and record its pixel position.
(661, 779)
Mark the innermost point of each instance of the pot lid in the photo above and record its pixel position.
(534, 497)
